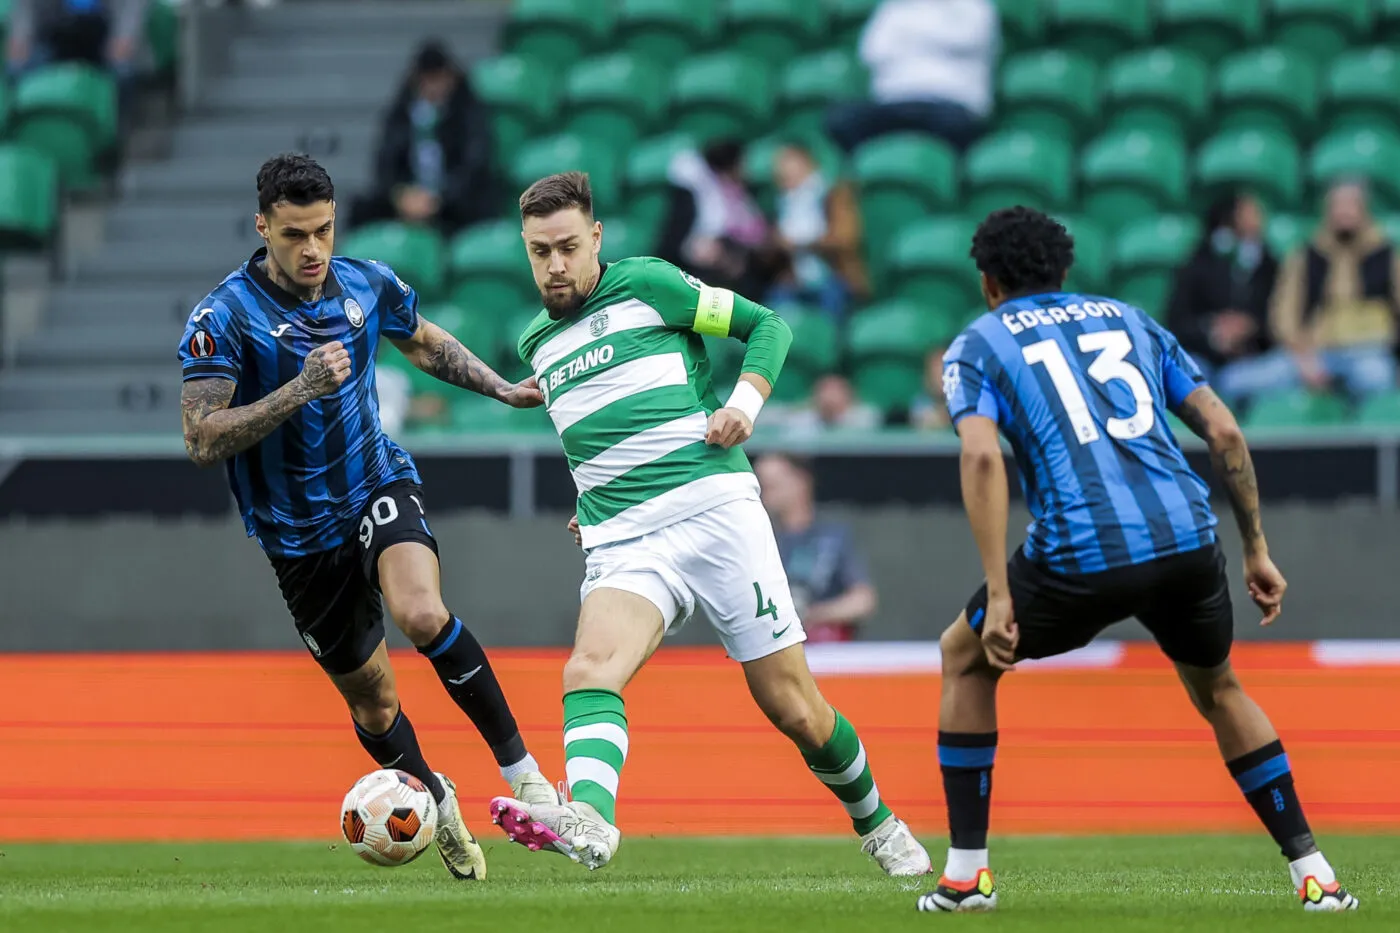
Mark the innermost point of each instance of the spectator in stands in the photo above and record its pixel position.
(833, 407)
(818, 235)
(713, 227)
(106, 33)
(929, 410)
(931, 65)
(1219, 308)
(1333, 310)
(831, 588)
(433, 165)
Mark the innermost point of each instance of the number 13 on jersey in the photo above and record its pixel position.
(1112, 348)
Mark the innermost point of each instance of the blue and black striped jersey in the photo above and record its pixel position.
(302, 487)
(1080, 386)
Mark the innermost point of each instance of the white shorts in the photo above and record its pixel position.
(724, 562)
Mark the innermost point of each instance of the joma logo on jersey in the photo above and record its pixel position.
(1049, 317)
(598, 356)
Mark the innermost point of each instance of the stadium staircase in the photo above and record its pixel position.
(313, 76)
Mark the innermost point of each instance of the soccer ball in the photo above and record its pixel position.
(388, 818)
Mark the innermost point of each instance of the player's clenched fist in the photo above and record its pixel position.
(326, 368)
(727, 427)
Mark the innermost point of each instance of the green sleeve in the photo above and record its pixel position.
(686, 303)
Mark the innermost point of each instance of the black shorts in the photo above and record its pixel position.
(334, 595)
(1183, 600)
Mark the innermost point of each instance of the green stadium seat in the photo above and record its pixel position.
(1287, 232)
(619, 97)
(1147, 254)
(69, 112)
(1297, 408)
(1011, 167)
(887, 343)
(1269, 89)
(646, 178)
(1126, 175)
(1368, 153)
(1390, 223)
(510, 85)
(1052, 92)
(928, 266)
(569, 152)
(4, 105)
(558, 30)
(1267, 162)
(848, 17)
(726, 359)
(622, 240)
(1320, 28)
(1363, 89)
(722, 94)
(812, 83)
(1162, 90)
(1388, 21)
(162, 36)
(775, 31)
(1380, 410)
(414, 253)
(28, 198)
(1100, 28)
(515, 325)
(489, 268)
(901, 178)
(1210, 28)
(1022, 23)
(667, 30)
(816, 343)
(1092, 262)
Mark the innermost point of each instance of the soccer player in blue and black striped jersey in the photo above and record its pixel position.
(1080, 386)
(279, 385)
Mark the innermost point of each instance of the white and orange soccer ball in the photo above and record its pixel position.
(388, 818)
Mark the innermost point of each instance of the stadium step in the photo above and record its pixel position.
(232, 177)
(134, 221)
(50, 423)
(314, 94)
(166, 302)
(126, 263)
(107, 388)
(102, 343)
(256, 140)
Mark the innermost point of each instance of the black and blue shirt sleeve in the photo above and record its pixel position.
(212, 347)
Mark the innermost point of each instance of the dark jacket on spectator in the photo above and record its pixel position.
(464, 133)
(1210, 283)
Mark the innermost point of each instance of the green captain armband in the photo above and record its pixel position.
(714, 312)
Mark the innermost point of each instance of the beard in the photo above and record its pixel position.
(562, 304)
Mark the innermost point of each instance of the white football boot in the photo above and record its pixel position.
(571, 828)
(458, 847)
(893, 847)
(534, 789)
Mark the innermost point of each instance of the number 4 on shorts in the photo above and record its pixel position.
(768, 610)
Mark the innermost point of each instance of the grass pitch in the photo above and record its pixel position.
(677, 886)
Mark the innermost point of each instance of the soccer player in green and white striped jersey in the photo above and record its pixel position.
(669, 518)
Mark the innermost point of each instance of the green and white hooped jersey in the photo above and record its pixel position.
(627, 383)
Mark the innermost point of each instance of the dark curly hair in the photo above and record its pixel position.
(1023, 250)
(294, 178)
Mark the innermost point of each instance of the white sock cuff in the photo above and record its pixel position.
(964, 864)
(523, 766)
(1315, 865)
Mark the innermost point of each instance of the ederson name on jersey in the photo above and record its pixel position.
(1050, 369)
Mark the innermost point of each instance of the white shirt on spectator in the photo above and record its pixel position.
(920, 50)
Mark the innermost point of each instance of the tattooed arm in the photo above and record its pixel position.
(1208, 417)
(215, 432)
(442, 355)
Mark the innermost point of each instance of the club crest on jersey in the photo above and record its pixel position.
(354, 313)
(202, 345)
(599, 325)
(692, 281)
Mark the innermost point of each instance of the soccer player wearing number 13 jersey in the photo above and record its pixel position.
(1080, 386)
(278, 366)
